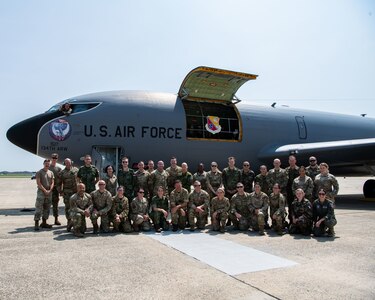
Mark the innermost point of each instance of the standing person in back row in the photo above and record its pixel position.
(56, 188)
(45, 181)
(231, 176)
(292, 172)
(126, 178)
(88, 175)
(327, 182)
(247, 177)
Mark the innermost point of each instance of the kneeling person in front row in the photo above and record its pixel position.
(159, 210)
(239, 209)
(119, 214)
(219, 210)
(179, 201)
(139, 212)
(258, 208)
(102, 204)
(199, 201)
(80, 206)
(323, 216)
(301, 214)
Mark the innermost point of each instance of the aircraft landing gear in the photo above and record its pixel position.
(369, 188)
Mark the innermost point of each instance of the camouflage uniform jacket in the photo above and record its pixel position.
(179, 198)
(220, 206)
(157, 202)
(102, 202)
(68, 180)
(56, 172)
(328, 183)
(159, 179)
(323, 210)
(142, 180)
(292, 173)
(139, 206)
(186, 180)
(111, 184)
(214, 179)
(277, 204)
(126, 179)
(301, 208)
(202, 178)
(120, 206)
(231, 177)
(277, 176)
(173, 174)
(79, 204)
(87, 175)
(305, 183)
(312, 171)
(247, 179)
(262, 181)
(240, 204)
(258, 201)
(198, 199)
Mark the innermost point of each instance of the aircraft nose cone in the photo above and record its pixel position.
(24, 135)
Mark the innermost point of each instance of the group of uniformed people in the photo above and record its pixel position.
(134, 200)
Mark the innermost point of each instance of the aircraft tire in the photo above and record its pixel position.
(369, 188)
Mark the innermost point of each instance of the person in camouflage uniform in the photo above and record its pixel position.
(258, 207)
(110, 180)
(292, 172)
(179, 201)
(219, 209)
(159, 210)
(150, 169)
(198, 205)
(239, 209)
(327, 182)
(139, 212)
(174, 171)
(305, 183)
(313, 169)
(56, 188)
(88, 175)
(323, 216)
(247, 177)
(231, 176)
(119, 214)
(142, 178)
(214, 180)
(277, 175)
(301, 212)
(126, 178)
(201, 176)
(68, 187)
(186, 177)
(45, 182)
(80, 208)
(102, 204)
(277, 204)
(159, 178)
(261, 179)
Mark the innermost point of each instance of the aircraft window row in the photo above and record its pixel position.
(197, 121)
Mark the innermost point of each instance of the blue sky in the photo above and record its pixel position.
(308, 54)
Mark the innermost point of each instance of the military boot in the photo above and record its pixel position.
(261, 230)
(115, 227)
(136, 227)
(44, 224)
(77, 233)
(36, 227)
(96, 228)
(331, 232)
(222, 227)
(174, 227)
(57, 222)
(157, 228)
(69, 226)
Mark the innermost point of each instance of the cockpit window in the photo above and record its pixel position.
(212, 121)
(71, 108)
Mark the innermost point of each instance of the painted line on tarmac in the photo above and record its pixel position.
(226, 256)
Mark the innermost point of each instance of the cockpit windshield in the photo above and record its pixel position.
(71, 108)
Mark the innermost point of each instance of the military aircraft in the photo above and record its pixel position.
(204, 122)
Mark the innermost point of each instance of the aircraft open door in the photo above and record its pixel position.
(209, 98)
(103, 156)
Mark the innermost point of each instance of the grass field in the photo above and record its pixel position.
(15, 175)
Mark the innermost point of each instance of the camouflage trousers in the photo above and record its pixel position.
(302, 226)
(258, 221)
(242, 224)
(326, 224)
(178, 219)
(55, 202)
(201, 218)
(122, 225)
(140, 222)
(159, 220)
(277, 219)
(79, 222)
(104, 221)
(67, 196)
(220, 220)
(42, 205)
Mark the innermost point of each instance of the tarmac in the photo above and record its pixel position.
(52, 263)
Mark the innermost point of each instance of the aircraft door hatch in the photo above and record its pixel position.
(302, 131)
(103, 156)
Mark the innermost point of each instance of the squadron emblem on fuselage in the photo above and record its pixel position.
(60, 129)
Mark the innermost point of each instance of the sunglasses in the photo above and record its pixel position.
(214, 166)
(197, 185)
(240, 187)
(141, 192)
(101, 184)
(321, 194)
(246, 165)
